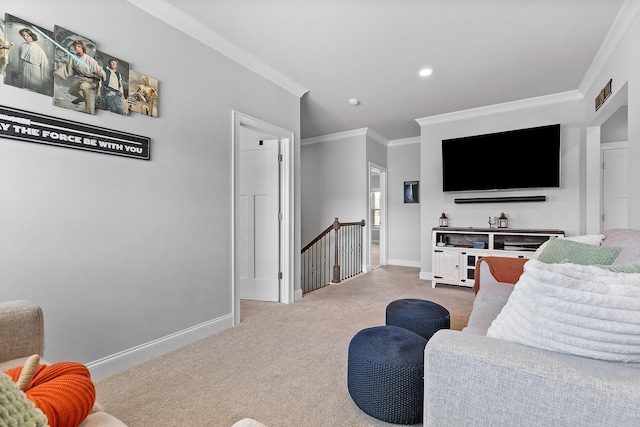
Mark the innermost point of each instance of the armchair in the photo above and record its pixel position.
(22, 335)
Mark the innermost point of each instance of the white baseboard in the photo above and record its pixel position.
(125, 359)
(426, 275)
(404, 263)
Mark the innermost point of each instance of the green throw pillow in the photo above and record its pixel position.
(633, 267)
(567, 251)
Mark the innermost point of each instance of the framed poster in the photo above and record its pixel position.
(29, 53)
(411, 192)
(77, 73)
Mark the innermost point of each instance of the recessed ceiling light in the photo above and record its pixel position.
(425, 72)
(354, 101)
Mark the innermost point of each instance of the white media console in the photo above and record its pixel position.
(455, 250)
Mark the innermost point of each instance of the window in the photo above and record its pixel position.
(375, 208)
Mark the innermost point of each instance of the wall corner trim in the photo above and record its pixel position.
(624, 20)
(366, 132)
(334, 136)
(404, 141)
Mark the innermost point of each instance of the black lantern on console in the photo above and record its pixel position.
(503, 221)
(444, 221)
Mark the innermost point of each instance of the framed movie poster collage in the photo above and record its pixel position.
(71, 69)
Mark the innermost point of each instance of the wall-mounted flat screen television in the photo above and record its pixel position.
(518, 159)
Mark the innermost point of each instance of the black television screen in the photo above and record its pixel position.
(518, 159)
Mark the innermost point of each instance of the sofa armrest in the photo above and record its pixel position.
(474, 380)
(498, 269)
(21, 330)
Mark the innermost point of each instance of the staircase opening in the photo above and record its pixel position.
(332, 257)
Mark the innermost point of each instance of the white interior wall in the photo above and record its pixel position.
(563, 208)
(623, 69)
(127, 256)
(334, 183)
(634, 127)
(403, 218)
(615, 129)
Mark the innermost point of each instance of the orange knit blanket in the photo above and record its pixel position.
(63, 391)
(504, 269)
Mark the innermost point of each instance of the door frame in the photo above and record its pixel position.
(383, 214)
(604, 147)
(286, 140)
(593, 199)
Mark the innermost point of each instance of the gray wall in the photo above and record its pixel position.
(564, 208)
(121, 252)
(615, 129)
(334, 183)
(623, 68)
(403, 218)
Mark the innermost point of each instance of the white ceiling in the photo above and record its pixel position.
(484, 52)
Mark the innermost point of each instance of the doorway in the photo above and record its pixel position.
(377, 215)
(610, 125)
(255, 209)
(615, 193)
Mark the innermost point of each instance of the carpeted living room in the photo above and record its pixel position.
(285, 364)
(165, 165)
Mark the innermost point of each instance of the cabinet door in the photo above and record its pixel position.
(468, 261)
(446, 264)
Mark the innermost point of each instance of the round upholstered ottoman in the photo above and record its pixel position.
(386, 373)
(424, 318)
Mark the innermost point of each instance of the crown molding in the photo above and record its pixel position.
(626, 18)
(539, 101)
(404, 141)
(377, 137)
(334, 136)
(366, 132)
(176, 18)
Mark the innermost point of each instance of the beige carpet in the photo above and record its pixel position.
(284, 365)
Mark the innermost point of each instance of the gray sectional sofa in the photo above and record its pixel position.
(474, 380)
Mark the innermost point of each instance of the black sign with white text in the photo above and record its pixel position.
(33, 127)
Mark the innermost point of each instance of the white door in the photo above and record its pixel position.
(615, 191)
(258, 223)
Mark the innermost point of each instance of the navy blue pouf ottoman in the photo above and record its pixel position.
(385, 373)
(424, 318)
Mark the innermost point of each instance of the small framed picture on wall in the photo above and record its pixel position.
(412, 192)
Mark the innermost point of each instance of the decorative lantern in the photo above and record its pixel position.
(503, 221)
(444, 221)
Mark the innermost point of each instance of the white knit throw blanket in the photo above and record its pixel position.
(576, 309)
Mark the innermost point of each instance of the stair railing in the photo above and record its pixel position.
(332, 257)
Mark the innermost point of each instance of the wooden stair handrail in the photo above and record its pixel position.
(320, 236)
(336, 225)
(310, 251)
